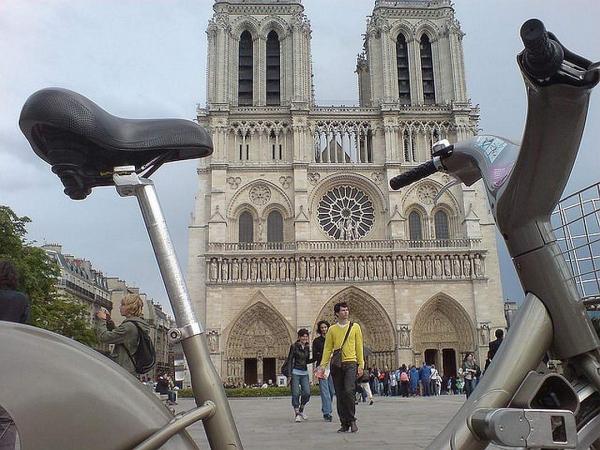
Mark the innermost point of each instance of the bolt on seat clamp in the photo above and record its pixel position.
(127, 180)
(179, 334)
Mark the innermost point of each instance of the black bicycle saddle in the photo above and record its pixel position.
(83, 143)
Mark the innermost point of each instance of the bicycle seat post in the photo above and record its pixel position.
(220, 427)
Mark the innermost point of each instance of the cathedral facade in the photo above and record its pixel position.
(294, 213)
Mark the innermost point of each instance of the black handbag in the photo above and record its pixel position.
(286, 368)
(336, 356)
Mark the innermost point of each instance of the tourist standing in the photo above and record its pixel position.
(126, 335)
(425, 377)
(413, 374)
(326, 388)
(404, 381)
(299, 356)
(495, 344)
(436, 381)
(346, 337)
(469, 371)
(14, 307)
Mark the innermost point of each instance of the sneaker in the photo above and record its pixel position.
(353, 427)
(298, 418)
(371, 403)
(328, 418)
(304, 415)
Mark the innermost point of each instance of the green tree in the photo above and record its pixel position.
(37, 277)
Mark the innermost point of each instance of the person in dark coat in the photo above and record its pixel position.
(495, 344)
(299, 356)
(414, 380)
(14, 307)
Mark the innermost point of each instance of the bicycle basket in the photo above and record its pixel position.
(576, 223)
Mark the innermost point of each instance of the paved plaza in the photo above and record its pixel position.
(392, 422)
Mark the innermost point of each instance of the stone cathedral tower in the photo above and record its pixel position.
(293, 211)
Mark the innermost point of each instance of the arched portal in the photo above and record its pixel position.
(442, 334)
(378, 331)
(257, 345)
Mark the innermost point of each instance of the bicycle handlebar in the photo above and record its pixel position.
(542, 56)
(415, 174)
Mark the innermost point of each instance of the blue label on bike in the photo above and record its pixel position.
(491, 146)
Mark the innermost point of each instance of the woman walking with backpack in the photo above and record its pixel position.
(126, 335)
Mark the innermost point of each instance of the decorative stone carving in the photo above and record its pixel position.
(484, 333)
(285, 182)
(212, 336)
(313, 178)
(260, 194)
(346, 213)
(377, 177)
(360, 268)
(234, 182)
(426, 193)
(404, 336)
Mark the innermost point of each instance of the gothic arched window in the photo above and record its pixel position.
(403, 72)
(442, 230)
(245, 69)
(427, 70)
(415, 230)
(274, 227)
(273, 70)
(246, 227)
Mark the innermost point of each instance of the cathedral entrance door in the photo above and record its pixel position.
(250, 371)
(431, 356)
(449, 362)
(269, 371)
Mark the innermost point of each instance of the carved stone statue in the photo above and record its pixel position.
(322, 274)
(225, 270)
(456, 264)
(274, 269)
(360, 268)
(466, 266)
(428, 267)
(389, 268)
(264, 269)
(235, 270)
(379, 266)
(484, 333)
(213, 341)
(253, 269)
(292, 269)
(437, 267)
(410, 267)
(244, 269)
(312, 268)
(331, 266)
(302, 268)
(477, 263)
(399, 267)
(418, 267)
(351, 268)
(370, 269)
(404, 336)
(214, 269)
(341, 267)
(447, 266)
(283, 269)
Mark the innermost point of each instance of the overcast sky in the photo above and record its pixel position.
(147, 59)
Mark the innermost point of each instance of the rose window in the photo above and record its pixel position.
(346, 213)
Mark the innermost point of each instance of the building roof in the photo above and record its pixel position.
(410, 3)
(260, 2)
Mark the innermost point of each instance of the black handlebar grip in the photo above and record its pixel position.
(409, 177)
(542, 56)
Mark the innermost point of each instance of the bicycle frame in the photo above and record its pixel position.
(552, 318)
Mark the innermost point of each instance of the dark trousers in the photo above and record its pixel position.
(404, 388)
(425, 384)
(344, 381)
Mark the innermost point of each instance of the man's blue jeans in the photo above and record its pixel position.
(300, 390)
(327, 392)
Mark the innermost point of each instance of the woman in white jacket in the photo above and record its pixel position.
(436, 381)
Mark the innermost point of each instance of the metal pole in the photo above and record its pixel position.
(207, 386)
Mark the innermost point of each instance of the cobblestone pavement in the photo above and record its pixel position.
(392, 422)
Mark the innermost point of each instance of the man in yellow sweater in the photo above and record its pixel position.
(353, 363)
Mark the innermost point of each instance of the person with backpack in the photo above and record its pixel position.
(133, 348)
(404, 381)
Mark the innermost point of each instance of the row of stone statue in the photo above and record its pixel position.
(264, 269)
